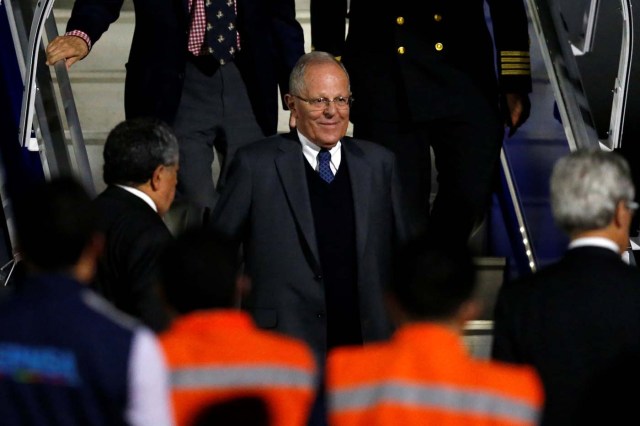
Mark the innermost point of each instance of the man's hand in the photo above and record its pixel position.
(71, 49)
(516, 108)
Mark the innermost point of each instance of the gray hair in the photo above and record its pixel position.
(297, 84)
(586, 187)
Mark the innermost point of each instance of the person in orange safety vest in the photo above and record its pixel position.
(424, 375)
(213, 349)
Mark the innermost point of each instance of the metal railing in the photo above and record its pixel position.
(41, 125)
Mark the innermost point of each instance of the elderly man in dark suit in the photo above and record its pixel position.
(140, 169)
(574, 319)
(318, 214)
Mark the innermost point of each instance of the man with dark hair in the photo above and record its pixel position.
(140, 169)
(424, 375)
(576, 318)
(214, 350)
(68, 357)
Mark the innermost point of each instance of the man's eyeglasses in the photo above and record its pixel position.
(341, 102)
(632, 205)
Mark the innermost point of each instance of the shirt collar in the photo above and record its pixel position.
(311, 150)
(595, 241)
(144, 197)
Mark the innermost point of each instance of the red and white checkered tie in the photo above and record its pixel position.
(198, 26)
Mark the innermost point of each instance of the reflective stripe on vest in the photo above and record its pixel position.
(241, 376)
(435, 397)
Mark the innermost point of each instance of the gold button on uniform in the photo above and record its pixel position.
(400, 20)
(437, 17)
(439, 46)
(401, 50)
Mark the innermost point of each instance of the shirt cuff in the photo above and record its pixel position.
(82, 35)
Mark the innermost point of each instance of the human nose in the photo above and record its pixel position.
(329, 106)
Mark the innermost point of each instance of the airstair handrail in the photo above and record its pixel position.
(558, 54)
(41, 13)
(43, 21)
(621, 88)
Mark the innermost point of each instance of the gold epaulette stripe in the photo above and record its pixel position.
(515, 60)
(513, 53)
(515, 72)
(515, 66)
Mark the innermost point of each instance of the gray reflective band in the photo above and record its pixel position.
(241, 375)
(438, 397)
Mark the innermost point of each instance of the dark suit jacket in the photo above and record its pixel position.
(266, 203)
(422, 82)
(271, 41)
(571, 321)
(135, 237)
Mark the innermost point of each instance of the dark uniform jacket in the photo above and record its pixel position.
(408, 63)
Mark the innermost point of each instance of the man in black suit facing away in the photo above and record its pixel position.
(140, 169)
(574, 319)
(423, 76)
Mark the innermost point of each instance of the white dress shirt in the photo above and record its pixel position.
(311, 151)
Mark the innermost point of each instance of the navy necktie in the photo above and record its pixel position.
(222, 36)
(324, 165)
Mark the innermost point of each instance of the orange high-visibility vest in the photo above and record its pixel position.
(217, 355)
(425, 376)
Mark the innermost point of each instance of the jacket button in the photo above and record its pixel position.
(400, 20)
(401, 50)
(437, 17)
(439, 46)
(319, 315)
(318, 277)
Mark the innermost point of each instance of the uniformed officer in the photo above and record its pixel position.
(428, 80)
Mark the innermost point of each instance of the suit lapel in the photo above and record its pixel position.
(360, 173)
(290, 166)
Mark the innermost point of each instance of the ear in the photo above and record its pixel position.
(290, 101)
(622, 215)
(156, 177)
(394, 310)
(85, 268)
(469, 311)
(243, 288)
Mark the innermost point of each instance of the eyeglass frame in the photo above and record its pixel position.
(632, 205)
(322, 103)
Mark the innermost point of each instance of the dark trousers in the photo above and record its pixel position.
(466, 150)
(214, 112)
